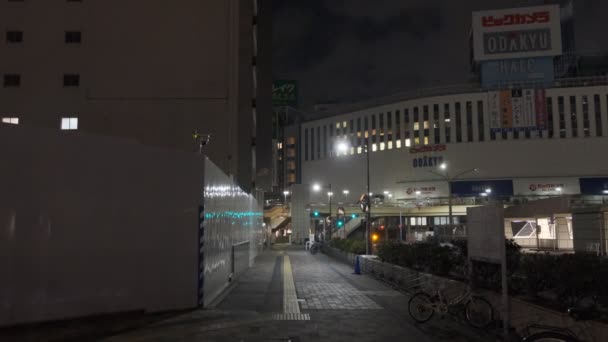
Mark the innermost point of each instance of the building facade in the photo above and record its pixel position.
(145, 70)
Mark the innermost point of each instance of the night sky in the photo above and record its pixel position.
(350, 50)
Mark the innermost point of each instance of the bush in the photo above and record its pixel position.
(348, 245)
(357, 247)
(538, 271)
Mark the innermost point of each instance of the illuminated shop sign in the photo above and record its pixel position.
(428, 148)
(427, 161)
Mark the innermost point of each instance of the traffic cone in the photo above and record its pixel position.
(357, 267)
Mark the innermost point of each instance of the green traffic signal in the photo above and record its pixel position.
(340, 223)
(316, 214)
(353, 215)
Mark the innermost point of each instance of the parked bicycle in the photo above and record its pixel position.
(548, 333)
(315, 247)
(478, 312)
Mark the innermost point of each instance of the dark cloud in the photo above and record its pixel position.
(350, 50)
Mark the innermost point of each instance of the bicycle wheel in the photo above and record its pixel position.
(478, 312)
(420, 307)
(549, 336)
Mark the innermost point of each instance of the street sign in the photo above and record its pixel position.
(285, 93)
(364, 203)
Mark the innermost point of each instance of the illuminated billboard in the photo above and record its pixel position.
(517, 33)
(517, 109)
(536, 70)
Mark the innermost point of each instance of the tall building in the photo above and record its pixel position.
(152, 70)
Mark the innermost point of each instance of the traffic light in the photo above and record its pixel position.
(375, 237)
(316, 214)
(340, 223)
(353, 216)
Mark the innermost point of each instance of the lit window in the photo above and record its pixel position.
(69, 123)
(352, 150)
(366, 134)
(417, 141)
(398, 144)
(13, 121)
(344, 124)
(426, 140)
(382, 146)
(359, 150)
(416, 126)
(338, 125)
(447, 120)
(408, 142)
(279, 145)
(426, 125)
(374, 147)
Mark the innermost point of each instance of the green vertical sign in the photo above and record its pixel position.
(285, 93)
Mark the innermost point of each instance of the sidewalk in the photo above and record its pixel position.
(288, 295)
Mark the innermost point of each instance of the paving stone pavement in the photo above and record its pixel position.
(340, 305)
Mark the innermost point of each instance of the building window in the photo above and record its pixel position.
(11, 120)
(458, 122)
(318, 143)
(398, 127)
(381, 126)
(408, 142)
(71, 80)
(389, 129)
(480, 126)
(373, 130)
(69, 123)
(447, 121)
(562, 116)
(586, 127)
(469, 113)
(366, 127)
(12, 80)
(306, 144)
(598, 115)
(550, 117)
(73, 37)
(325, 141)
(14, 37)
(436, 131)
(573, 119)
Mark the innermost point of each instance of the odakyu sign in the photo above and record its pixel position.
(517, 33)
(427, 161)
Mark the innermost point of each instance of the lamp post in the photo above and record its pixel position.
(345, 193)
(285, 193)
(446, 177)
(317, 187)
(343, 146)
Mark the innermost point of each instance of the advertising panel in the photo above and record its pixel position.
(517, 33)
(546, 186)
(594, 186)
(285, 93)
(425, 189)
(520, 109)
(477, 188)
(538, 70)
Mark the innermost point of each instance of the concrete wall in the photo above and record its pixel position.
(232, 217)
(92, 225)
(300, 217)
(178, 68)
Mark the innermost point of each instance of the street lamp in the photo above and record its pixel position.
(343, 146)
(317, 187)
(345, 193)
(285, 193)
(446, 177)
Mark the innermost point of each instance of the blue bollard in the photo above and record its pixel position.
(357, 267)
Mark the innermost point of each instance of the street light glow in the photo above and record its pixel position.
(558, 189)
(418, 192)
(385, 192)
(285, 192)
(390, 195)
(606, 191)
(484, 194)
(342, 147)
(443, 166)
(488, 191)
(316, 187)
(330, 194)
(346, 192)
